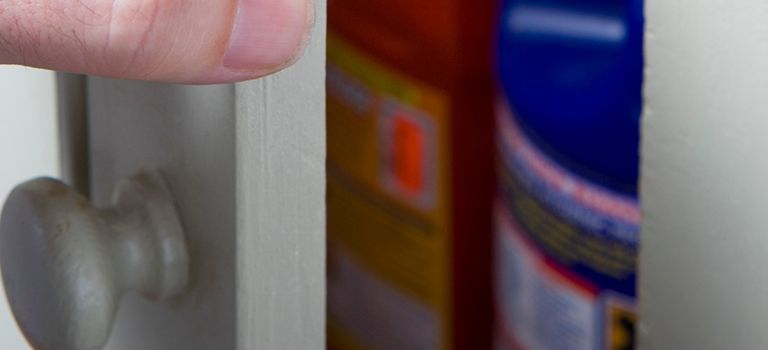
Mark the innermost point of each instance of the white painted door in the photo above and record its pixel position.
(245, 164)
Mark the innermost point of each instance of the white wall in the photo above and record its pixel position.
(28, 148)
(703, 276)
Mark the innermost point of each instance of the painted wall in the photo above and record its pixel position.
(704, 281)
(28, 148)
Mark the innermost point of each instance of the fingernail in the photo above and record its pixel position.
(267, 33)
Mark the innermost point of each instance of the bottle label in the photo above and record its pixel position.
(566, 251)
(388, 206)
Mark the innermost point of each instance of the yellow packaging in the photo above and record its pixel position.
(388, 206)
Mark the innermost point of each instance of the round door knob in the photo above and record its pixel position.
(66, 264)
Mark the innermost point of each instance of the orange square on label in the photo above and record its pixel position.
(408, 154)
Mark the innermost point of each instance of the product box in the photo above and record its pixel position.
(410, 175)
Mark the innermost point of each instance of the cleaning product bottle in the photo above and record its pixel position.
(567, 213)
(410, 174)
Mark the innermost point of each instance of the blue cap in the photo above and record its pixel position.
(572, 71)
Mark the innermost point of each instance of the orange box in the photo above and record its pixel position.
(410, 174)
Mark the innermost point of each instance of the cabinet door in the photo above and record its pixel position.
(246, 165)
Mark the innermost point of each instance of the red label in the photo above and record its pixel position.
(409, 154)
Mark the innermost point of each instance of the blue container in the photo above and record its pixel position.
(572, 70)
(567, 215)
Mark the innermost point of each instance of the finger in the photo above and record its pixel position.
(187, 41)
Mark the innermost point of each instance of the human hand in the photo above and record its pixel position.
(182, 41)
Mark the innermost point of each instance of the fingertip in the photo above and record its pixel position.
(174, 41)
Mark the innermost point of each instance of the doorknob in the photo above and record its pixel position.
(66, 264)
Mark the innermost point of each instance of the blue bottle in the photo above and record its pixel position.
(567, 213)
